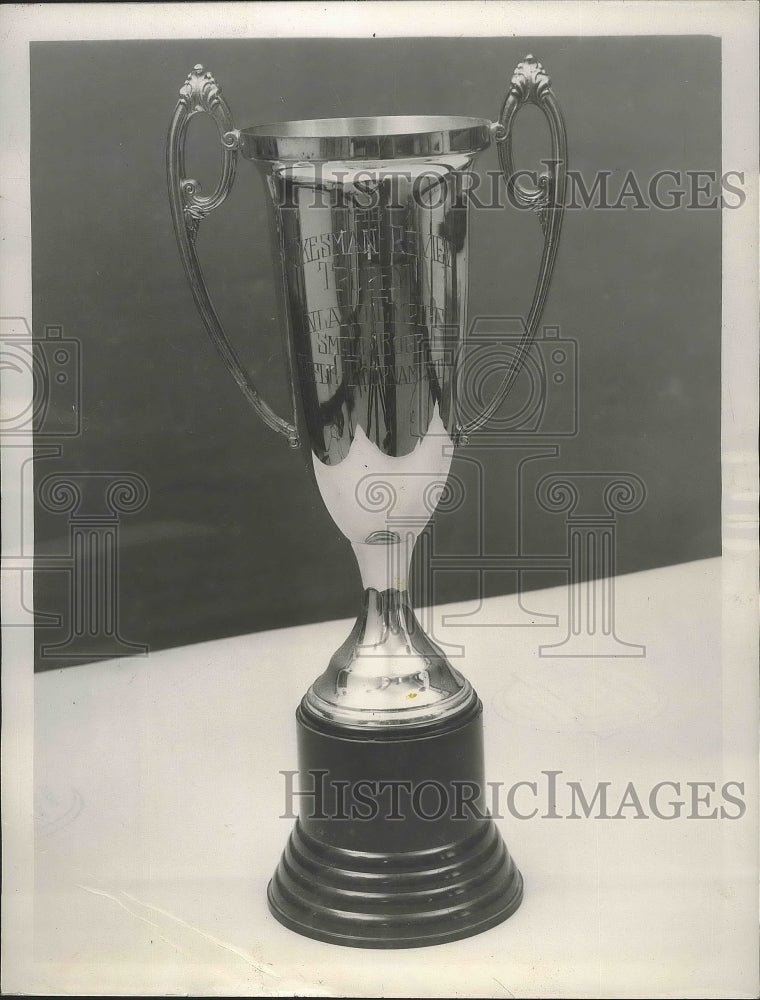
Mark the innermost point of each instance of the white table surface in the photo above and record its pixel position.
(158, 800)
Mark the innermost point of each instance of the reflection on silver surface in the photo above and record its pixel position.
(374, 278)
(332, 140)
(388, 670)
(374, 266)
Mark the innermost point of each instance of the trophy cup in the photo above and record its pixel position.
(394, 846)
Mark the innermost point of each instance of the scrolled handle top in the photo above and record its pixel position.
(200, 91)
(530, 81)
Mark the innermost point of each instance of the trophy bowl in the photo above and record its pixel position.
(394, 846)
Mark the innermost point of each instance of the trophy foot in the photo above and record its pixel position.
(394, 847)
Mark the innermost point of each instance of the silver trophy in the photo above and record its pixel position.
(370, 229)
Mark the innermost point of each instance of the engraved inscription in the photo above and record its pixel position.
(314, 248)
(346, 345)
(362, 376)
(405, 312)
(396, 240)
(323, 319)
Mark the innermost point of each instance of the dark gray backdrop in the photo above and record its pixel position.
(234, 538)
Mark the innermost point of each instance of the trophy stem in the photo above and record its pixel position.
(384, 566)
(394, 846)
(388, 672)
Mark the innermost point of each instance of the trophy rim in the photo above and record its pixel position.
(361, 138)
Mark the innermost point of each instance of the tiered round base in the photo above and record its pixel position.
(375, 860)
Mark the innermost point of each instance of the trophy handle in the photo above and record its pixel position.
(201, 93)
(530, 85)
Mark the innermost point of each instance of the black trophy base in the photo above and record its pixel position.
(394, 847)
